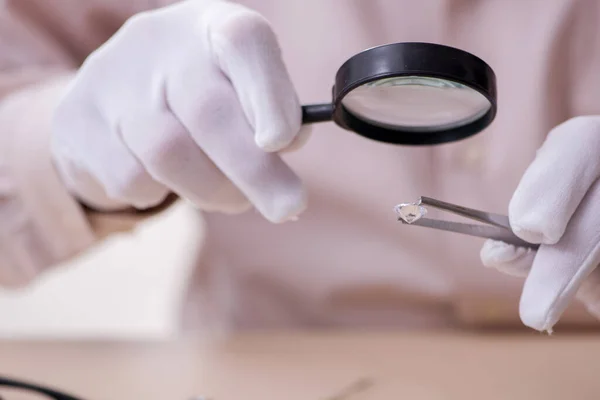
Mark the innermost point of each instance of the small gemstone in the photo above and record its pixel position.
(410, 212)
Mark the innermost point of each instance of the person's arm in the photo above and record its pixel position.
(41, 47)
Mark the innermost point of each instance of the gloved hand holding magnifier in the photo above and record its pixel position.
(113, 152)
(411, 94)
(408, 94)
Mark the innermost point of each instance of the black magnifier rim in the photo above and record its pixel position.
(414, 59)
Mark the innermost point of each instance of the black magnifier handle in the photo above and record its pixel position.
(314, 113)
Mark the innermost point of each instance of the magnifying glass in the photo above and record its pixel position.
(411, 94)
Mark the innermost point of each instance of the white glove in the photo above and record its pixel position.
(557, 204)
(192, 99)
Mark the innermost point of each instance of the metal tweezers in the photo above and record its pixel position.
(497, 226)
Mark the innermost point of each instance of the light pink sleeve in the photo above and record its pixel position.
(42, 43)
(583, 53)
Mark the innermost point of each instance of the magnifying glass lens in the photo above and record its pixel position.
(414, 103)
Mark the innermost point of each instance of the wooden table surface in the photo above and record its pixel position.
(318, 366)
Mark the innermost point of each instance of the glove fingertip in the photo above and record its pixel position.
(506, 258)
(287, 209)
(535, 317)
(535, 236)
(533, 221)
(286, 205)
(277, 136)
(272, 142)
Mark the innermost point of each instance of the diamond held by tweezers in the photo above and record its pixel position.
(410, 212)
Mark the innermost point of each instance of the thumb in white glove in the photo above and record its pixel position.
(192, 99)
(557, 205)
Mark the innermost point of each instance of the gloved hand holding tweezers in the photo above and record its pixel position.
(497, 226)
(551, 235)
